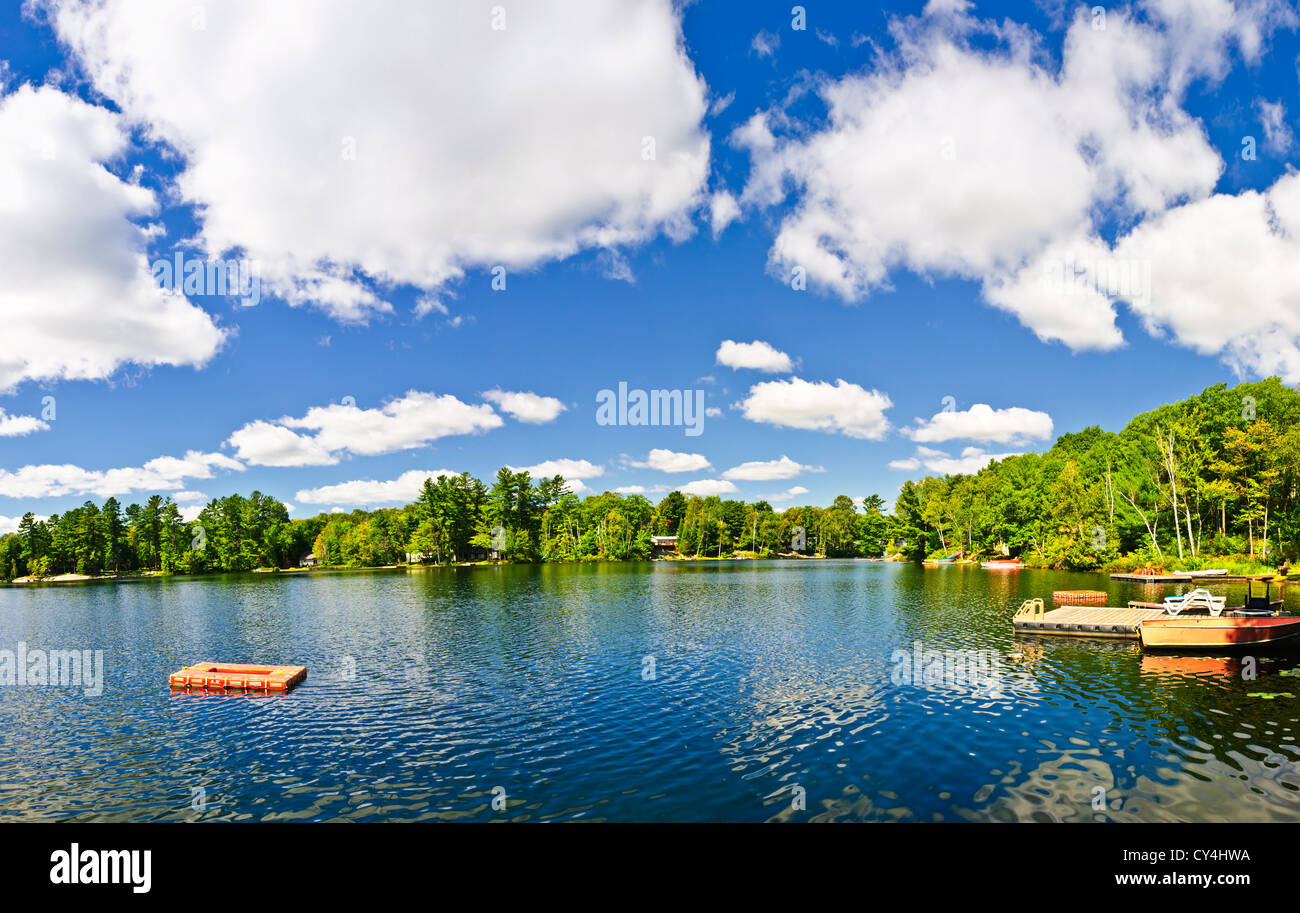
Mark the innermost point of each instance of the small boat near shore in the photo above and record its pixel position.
(943, 562)
(1006, 564)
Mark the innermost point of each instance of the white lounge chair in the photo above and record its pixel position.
(1199, 598)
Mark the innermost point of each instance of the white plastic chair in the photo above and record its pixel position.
(1199, 598)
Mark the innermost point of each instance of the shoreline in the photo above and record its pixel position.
(158, 576)
(70, 579)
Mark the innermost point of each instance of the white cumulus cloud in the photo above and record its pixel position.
(671, 461)
(971, 461)
(982, 422)
(19, 425)
(572, 470)
(966, 152)
(363, 492)
(756, 355)
(706, 487)
(160, 474)
(768, 470)
(266, 444)
(9, 524)
(1277, 131)
(788, 495)
(1202, 33)
(526, 407)
(641, 489)
(1226, 277)
(79, 298)
(723, 210)
(407, 143)
(325, 433)
(819, 406)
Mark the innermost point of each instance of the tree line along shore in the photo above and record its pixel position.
(1212, 480)
(455, 519)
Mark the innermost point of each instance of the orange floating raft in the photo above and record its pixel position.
(1077, 597)
(237, 677)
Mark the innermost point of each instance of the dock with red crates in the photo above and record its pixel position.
(223, 677)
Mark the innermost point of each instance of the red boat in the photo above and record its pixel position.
(1002, 564)
(1205, 632)
(1157, 664)
(1256, 623)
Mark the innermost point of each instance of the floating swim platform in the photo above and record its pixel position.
(1081, 621)
(238, 677)
(1076, 597)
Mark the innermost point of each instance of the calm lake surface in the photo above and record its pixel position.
(665, 692)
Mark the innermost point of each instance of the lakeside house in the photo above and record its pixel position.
(663, 545)
(309, 560)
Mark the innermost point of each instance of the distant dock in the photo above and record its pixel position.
(1201, 576)
(1154, 578)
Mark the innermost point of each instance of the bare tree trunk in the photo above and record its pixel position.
(1171, 469)
(1266, 529)
(1110, 494)
(1150, 529)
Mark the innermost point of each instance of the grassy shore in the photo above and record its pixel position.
(1237, 565)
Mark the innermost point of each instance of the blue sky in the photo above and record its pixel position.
(921, 224)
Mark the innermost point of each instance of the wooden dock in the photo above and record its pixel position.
(1156, 578)
(1197, 576)
(1081, 621)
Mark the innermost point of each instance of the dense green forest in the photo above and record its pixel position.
(455, 518)
(1215, 476)
(1212, 476)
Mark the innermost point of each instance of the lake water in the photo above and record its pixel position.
(733, 691)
